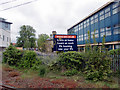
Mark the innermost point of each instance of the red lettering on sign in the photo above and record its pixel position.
(65, 36)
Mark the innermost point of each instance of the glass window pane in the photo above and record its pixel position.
(115, 5)
(115, 11)
(116, 31)
(107, 10)
(108, 33)
(102, 12)
(102, 34)
(102, 30)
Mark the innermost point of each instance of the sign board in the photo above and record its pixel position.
(65, 43)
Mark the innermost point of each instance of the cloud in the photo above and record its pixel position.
(48, 15)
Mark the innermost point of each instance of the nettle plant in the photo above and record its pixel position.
(97, 62)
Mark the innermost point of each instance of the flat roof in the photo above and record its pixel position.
(108, 3)
(7, 22)
(4, 20)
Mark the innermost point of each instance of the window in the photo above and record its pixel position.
(107, 15)
(96, 35)
(91, 18)
(7, 39)
(117, 46)
(96, 16)
(102, 34)
(108, 33)
(107, 10)
(76, 29)
(102, 17)
(115, 11)
(6, 25)
(84, 25)
(96, 20)
(92, 22)
(3, 37)
(117, 26)
(102, 30)
(108, 28)
(88, 22)
(115, 5)
(116, 31)
(81, 38)
(101, 13)
(96, 31)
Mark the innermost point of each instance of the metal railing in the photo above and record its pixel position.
(115, 65)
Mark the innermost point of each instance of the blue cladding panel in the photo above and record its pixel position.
(108, 21)
(108, 39)
(102, 24)
(115, 19)
(116, 37)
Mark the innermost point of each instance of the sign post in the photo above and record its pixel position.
(65, 43)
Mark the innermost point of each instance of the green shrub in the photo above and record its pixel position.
(70, 72)
(37, 64)
(12, 56)
(28, 59)
(69, 60)
(97, 65)
(42, 71)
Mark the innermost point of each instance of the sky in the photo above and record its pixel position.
(46, 16)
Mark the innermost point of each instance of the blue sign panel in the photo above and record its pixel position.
(65, 43)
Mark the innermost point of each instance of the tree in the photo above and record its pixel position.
(41, 41)
(27, 37)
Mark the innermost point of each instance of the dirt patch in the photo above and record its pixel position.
(14, 78)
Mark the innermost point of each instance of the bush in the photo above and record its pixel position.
(28, 59)
(12, 56)
(97, 65)
(42, 71)
(69, 60)
(70, 72)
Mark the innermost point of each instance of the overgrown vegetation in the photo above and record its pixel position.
(94, 64)
(114, 52)
(12, 56)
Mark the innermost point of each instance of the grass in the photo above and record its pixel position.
(29, 74)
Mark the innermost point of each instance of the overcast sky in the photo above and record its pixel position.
(47, 15)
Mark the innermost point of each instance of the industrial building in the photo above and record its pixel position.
(5, 37)
(105, 21)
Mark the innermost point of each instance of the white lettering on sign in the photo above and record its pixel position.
(70, 40)
(71, 43)
(60, 49)
(60, 43)
(67, 46)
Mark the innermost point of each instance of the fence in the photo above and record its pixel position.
(115, 65)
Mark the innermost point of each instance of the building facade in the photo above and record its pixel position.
(104, 21)
(5, 37)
